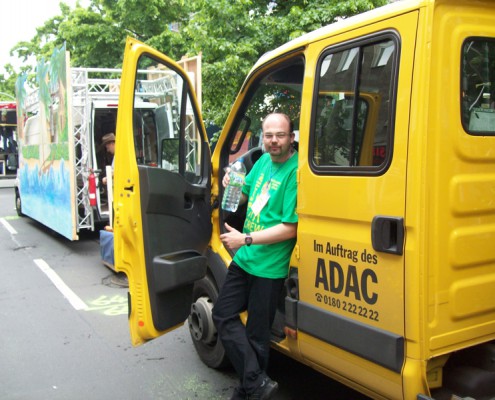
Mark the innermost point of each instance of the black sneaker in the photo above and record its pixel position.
(239, 394)
(264, 391)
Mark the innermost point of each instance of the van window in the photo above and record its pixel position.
(162, 138)
(478, 86)
(354, 107)
(277, 90)
(145, 137)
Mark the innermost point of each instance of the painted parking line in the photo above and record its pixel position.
(7, 226)
(67, 292)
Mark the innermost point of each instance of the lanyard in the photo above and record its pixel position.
(272, 174)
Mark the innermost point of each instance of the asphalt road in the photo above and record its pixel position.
(64, 332)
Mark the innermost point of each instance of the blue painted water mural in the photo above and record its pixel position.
(46, 197)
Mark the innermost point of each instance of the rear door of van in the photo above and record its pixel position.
(351, 204)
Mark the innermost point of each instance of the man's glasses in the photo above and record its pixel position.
(278, 135)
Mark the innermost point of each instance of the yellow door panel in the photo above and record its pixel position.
(352, 199)
(162, 191)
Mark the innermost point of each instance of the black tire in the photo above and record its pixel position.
(18, 204)
(201, 328)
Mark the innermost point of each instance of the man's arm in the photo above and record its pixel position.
(243, 199)
(233, 239)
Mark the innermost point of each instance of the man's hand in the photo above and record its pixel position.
(233, 239)
(226, 177)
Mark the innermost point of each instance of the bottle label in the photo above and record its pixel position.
(236, 179)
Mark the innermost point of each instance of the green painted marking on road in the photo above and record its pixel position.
(110, 306)
(11, 217)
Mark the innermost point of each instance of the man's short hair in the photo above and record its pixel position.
(287, 118)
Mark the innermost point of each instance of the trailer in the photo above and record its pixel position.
(61, 124)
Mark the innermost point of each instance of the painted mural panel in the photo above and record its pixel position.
(45, 156)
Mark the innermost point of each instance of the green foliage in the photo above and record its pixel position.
(231, 34)
(7, 83)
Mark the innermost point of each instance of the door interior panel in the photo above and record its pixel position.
(175, 229)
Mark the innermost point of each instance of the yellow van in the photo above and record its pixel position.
(391, 287)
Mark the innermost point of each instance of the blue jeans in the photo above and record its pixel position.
(248, 347)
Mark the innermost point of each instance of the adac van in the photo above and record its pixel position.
(391, 285)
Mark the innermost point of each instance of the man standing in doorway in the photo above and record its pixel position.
(108, 141)
(7, 134)
(257, 273)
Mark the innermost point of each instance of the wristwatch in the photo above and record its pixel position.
(248, 239)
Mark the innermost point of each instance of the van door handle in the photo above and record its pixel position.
(387, 234)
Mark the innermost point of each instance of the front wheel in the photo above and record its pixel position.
(18, 204)
(203, 332)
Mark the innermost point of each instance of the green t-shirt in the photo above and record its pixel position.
(269, 260)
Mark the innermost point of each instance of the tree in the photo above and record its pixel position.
(231, 35)
(95, 36)
(149, 21)
(91, 36)
(7, 83)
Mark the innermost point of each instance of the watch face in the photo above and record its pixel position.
(248, 240)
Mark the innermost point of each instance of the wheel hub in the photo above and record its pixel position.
(201, 320)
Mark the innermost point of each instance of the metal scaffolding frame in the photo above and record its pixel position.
(92, 84)
(85, 89)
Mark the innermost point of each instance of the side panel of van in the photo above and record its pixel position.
(352, 202)
(460, 224)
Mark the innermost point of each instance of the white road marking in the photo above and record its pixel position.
(73, 298)
(7, 226)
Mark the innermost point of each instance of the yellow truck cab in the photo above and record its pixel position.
(391, 285)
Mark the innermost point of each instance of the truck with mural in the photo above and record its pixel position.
(62, 156)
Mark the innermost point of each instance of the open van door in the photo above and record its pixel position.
(162, 212)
